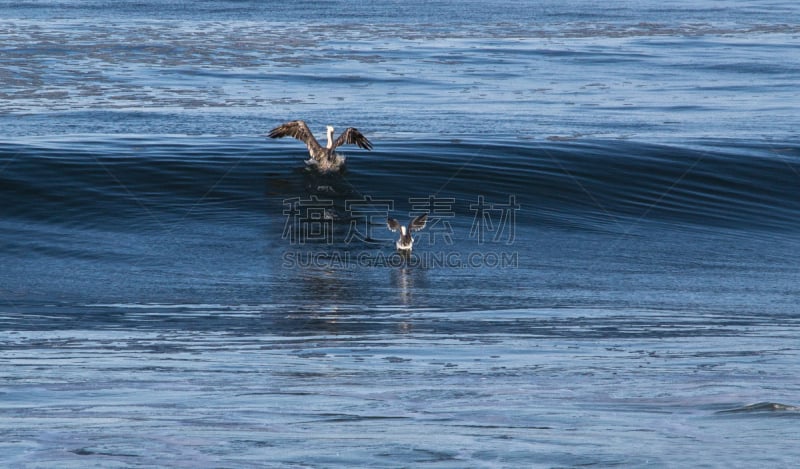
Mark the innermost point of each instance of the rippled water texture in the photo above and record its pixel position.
(527, 69)
(609, 275)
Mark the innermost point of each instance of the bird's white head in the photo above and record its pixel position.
(330, 136)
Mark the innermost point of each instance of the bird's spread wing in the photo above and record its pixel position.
(297, 129)
(351, 135)
(418, 223)
(393, 224)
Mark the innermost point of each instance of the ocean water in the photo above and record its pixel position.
(609, 276)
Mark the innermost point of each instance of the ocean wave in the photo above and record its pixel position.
(574, 183)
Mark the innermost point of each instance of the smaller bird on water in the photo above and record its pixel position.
(406, 242)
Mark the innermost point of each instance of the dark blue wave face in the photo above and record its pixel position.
(209, 218)
(588, 184)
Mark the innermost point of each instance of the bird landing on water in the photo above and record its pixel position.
(325, 159)
(406, 242)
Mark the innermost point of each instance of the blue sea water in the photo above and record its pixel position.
(610, 273)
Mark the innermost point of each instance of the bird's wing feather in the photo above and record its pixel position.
(297, 129)
(351, 135)
(418, 223)
(393, 224)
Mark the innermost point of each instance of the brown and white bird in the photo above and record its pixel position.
(406, 241)
(324, 157)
